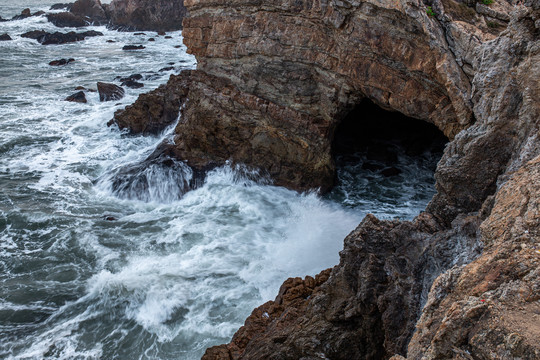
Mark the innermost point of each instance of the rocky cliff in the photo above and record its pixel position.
(275, 79)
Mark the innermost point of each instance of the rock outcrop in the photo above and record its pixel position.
(155, 15)
(126, 15)
(109, 92)
(274, 80)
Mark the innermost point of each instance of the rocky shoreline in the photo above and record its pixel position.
(273, 82)
(124, 15)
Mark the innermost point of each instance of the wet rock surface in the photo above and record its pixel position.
(57, 38)
(79, 97)
(61, 62)
(67, 19)
(109, 92)
(154, 111)
(133, 47)
(5, 37)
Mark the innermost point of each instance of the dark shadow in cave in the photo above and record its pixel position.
(385, 161)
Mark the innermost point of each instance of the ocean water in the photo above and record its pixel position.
(87, 272)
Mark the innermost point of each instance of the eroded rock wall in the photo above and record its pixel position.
(296, 68)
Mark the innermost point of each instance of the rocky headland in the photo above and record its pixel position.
(273, 83)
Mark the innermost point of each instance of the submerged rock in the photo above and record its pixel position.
(109, 92)
(61, 62)
(5, 37)
(133, 47)
(79, 97)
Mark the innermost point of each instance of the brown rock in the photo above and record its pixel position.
(79, 97)
(154, 111)
(109, 92)
(5, 37)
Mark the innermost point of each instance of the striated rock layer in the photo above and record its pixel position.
(275, 79)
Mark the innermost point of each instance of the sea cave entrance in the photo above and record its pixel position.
(385, 161)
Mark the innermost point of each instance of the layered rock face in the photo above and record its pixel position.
(275, 79)
(295, 69)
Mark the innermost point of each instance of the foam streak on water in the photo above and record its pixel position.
(139, 272)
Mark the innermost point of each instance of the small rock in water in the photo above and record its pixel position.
(133, 47)
(24, 14)
(79, 97)
(57, 38)
(139, 33)
(390, 171)
(61, 62)
(161, 33)
(168, 68)
(5, 37)
(80, 88)
(111, 41)
(109, 92)
(168, 37)
(151, 39)
(109, 218)
(177, 46)
(132, 84)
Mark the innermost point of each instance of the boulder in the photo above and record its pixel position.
(109, 92)
(67, 19)
(5, 37)
(79, 97)
(34, 34)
